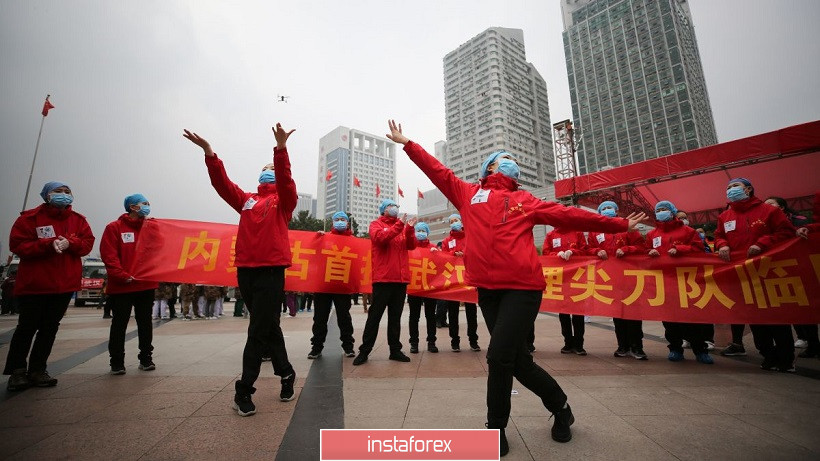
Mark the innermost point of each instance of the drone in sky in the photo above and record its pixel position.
(280, 98)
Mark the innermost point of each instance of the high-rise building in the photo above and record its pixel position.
(496, 100)
(305, 202)
(347, 157)
(636, 81)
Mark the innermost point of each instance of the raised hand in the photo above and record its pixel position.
(412, 221)
(281, 135)
(635, 219)
(395, 133)
(199, 141)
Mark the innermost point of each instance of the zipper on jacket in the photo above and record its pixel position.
(506, 206)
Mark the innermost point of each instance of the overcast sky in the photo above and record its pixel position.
(126, 77)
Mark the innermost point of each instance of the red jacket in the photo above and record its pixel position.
(390, 239)
(456, 241)
(500, 253)
(752, 222)
(628, 242)
(560, 240)
(344, 232)
(425, 244)
(262, 236)
(118, 251)
(673, 234)
(42, 270)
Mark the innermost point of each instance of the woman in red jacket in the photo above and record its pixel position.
(50, 240)
(501, 261)
(672, 238)
(565, 243)
(454, 244)
(262, 254)
(323, 302)
(390, 238)
(747, 228)
(628, 333)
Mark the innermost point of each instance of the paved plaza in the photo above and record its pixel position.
(624, 408)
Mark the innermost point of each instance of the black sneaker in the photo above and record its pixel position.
(567, 350)
(41, 379)
(350, 353)
(360, 359)
(455, 347)
(503, 446)
(787, 368)
(314, 354)
(18, 380)
(733, 350)
(639, 354)
(769, 364)
(147, 366)
(563, 420)
(475, 347)
(117, 370)
(580, 351)
(431, 347)
(621, 352)
(399, 356)
(414, 348)
(243, 404)
(287, 394)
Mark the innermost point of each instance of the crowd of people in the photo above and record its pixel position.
(52, 238)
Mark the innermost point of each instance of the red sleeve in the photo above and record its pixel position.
(695, 244)
(450, 185)
(23, 240)
(570, 218)
(634, 243)
(380, 236)
(285, 186)
(109, 253)
(720, 234)
(782, 229)
(580, 246)
(230, 192)
(82, 242)
(410, 237)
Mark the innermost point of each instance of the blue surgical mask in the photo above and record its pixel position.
(267, 177)
(340, 225)
(508, 168)
(421, 236)
(608, 212)
(60, 200)
(144, 210)
(457, 226)
(663, 216)
(736, 193)
(392, 211)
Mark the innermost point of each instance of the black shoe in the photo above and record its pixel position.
(455, 346)
(475, 347)
(360, 359)
(621, 352)
(414, 348)
(148, 366)
(733, 350)
(242, 402)
(567, 350)
(639, 354)
(580, 351)
(399, 356)
(117, 370)
(287, 394)
(431, 347)
(350, 353)
(106, 316)
(503, 446)
(563, 420)
(769, 364)
(314, 354)
(41, 379)
(531, 348)
(809, 353)
(18, 380)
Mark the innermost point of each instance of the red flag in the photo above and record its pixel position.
(401, 193)
(328, 175)
(378, 190)
(420, 194)
(47, 105)
(356, 182)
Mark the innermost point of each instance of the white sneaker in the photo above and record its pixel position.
(801, 344)
(587, 319)
(165, 318)
(686, 344)
(710, 346)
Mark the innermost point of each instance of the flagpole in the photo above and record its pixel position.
(36, 148)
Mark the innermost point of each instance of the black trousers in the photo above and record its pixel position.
(775, 342)
(142, 302)
(629, 334)
(737, 333)
(471, 312)
(321, 313)
(40, 315)
(429, 304)
(572, 329)
(510, 316)
(389, 296)
(809, 334)
(441, 312)
(263, 290)
(695, 333)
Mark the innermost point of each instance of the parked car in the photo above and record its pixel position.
(92, 283)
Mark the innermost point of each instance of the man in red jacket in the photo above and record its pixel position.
(747, 228)
(323, 302)
(454, 244)
(390, 238)
(501, 261)
(50, 240)
(118, 252)
(416, 302)
(262, 255)
(565, 243)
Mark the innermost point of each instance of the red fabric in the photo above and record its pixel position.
(378, 190)
(118, 249)
(401, 193)
(673, 234)
(561, 240)
(262, 238)
(425, 244)
(628, 242)
(755, 222)
(458, 239)
(42, 270)
(390, 239)
(500, 252)
(356, 182)
(344, 232)
(46, 107)
(420, 194)
(328, 175)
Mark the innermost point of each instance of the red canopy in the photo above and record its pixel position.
(784, 163)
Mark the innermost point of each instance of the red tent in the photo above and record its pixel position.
(784, 163)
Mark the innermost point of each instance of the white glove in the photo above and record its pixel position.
(565, 255)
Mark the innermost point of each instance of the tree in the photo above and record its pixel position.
(303, 221)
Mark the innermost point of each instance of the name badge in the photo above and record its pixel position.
(127, 237)
(451, 244)
(249, 203)
(556, 243)
(600, 238)
(480, 197)
(729, 226)
(46, 232)
(656, 242)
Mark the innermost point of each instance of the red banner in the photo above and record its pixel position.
(779, 286)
